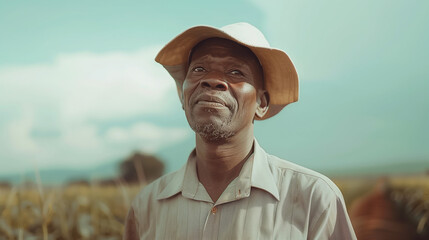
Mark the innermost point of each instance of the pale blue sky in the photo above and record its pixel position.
(76, 76)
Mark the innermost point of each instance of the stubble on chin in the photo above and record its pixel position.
(212, 132)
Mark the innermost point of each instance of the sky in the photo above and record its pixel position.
(79, 86)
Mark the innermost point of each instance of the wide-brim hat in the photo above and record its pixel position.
(280, 76)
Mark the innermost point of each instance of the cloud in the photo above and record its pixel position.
(148, 137)
(91, 85)
(51, 113)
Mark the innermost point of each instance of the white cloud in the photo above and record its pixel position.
(50, 111)
(89, 85)
(17, 135)
(147, 136)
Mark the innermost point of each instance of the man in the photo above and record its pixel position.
(230, 188)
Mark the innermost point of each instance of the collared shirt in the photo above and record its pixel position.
(270, 199)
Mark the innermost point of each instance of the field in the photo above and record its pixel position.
(97, 212)
(74, 212)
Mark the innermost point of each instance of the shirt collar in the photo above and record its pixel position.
(256, 173)
(262, 176)
(174, 185)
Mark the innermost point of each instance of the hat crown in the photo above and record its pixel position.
(247, 34)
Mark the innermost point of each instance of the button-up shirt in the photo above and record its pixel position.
(270, 199)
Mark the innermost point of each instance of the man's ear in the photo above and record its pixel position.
(263, 101)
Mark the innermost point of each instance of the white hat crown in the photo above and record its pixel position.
(247, 34)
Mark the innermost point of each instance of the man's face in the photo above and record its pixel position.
(222, 89)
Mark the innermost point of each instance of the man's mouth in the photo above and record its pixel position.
(210, 101)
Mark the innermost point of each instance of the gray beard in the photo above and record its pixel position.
(212, 133)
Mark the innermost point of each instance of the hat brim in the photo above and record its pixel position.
(280, 76)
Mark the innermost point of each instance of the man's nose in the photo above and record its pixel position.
(214, 82)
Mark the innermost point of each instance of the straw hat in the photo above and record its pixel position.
(280, 77)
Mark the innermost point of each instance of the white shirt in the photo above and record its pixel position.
(270, 199)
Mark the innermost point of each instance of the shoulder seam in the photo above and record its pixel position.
(315, 176)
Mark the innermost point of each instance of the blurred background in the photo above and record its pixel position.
(84, 105)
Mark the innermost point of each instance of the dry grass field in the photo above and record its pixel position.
(74, 212)
(98, 212)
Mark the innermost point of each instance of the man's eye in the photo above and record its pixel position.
(198, 69)
(236, 72)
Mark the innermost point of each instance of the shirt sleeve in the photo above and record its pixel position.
(130, 230)
(333, 224)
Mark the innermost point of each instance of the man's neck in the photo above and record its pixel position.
(219, 163)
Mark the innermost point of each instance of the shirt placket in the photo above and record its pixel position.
(211, 225)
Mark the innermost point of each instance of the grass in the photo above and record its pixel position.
(74, 212)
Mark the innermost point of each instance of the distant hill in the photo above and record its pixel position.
(410, 167)
(62, 175)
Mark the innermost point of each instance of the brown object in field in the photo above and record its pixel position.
(79, 182)
(375, 216)
(5, 185)
(141, 168)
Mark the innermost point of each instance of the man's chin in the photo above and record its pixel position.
(212, 132)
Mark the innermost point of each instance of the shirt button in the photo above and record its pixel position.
(214, 210)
